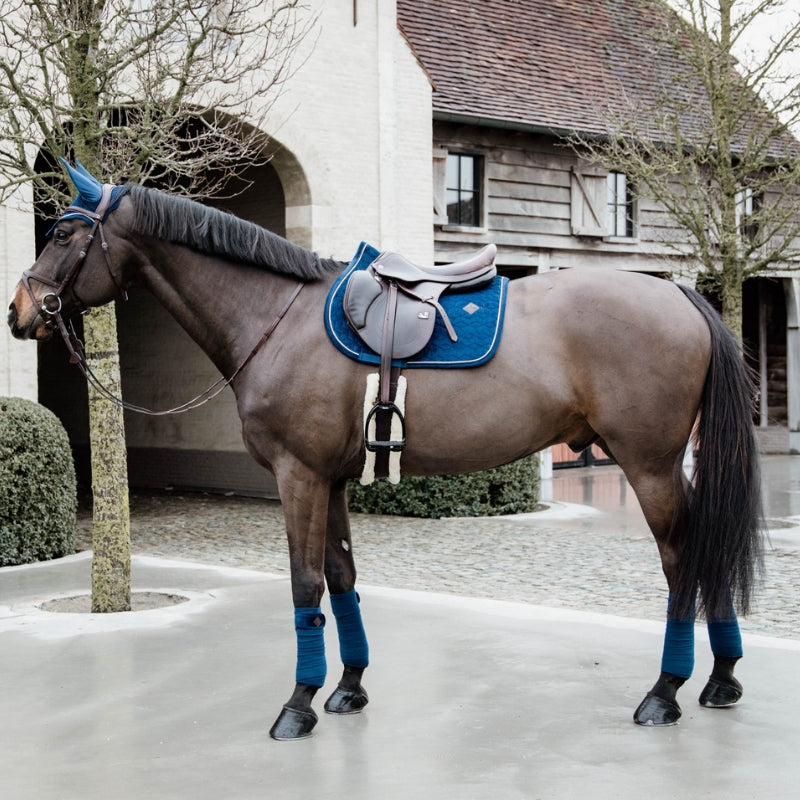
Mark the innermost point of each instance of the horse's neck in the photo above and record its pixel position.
(221, 305)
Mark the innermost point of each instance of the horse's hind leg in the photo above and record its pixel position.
(660, 705)
(661, 495)
(723, 689)
(349, 697)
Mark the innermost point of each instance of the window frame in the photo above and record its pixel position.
(615, 207)
(478, 191)
(748, 208)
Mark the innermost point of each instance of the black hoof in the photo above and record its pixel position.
(655, 711)
(721, 694)
(345, 701)
(293, 724)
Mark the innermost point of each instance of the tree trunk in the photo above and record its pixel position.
(111, 561)
(730, 285)
(111, 530)
(722, 94)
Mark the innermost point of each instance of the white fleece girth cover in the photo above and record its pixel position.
(370, 399)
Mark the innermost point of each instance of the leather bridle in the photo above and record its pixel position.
(51, 304)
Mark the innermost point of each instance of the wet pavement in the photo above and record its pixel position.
(507, 659)
(590, 550)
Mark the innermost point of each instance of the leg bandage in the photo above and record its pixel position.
(353, 646)
(678, 654)
(725, 637)
(309, 625)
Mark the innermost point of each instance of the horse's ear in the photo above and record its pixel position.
(89, 188)
(85, 172)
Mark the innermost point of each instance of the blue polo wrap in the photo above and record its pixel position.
(353, 646)
(678, 655)
(725, 637)
(309, 625)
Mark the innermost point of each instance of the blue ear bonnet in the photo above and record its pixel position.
(90, 192)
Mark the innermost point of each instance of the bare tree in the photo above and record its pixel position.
(713, 144)
(161, 91)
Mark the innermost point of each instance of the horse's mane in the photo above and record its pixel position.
(213, 232)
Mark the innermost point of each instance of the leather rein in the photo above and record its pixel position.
(51, 304)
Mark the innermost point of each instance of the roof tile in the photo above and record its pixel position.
(563, 65)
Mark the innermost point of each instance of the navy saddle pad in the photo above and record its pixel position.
(477, 317)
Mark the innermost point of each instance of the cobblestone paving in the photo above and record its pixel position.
(599, 561)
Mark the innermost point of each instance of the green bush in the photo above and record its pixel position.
(511, 489)
(37, 484)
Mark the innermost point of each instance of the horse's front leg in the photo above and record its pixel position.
(304, 496)
(350, 696)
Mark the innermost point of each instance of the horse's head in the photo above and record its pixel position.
(70, 275)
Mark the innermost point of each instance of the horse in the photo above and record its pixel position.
(636, 364)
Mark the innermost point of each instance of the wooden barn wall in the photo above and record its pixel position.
(528, 196)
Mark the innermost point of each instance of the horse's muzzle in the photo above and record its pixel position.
(23, 331)
(12, 321)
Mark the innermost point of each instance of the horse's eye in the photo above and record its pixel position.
(61, 236)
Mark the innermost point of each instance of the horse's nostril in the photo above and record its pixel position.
(12, 315)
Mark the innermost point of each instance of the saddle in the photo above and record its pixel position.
(392, 307)
(392, 304)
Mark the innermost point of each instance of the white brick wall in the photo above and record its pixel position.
(17, 359)
(357, 118)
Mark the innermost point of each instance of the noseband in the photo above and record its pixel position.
(51, 304)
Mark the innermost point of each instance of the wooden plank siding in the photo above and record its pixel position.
(528, 198)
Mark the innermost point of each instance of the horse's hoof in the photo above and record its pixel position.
(655, 711)
(721, 694)
(344, 701)
(293, 724)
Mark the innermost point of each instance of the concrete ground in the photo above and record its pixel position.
(470, 698)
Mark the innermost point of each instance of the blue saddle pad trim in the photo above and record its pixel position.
(477, 317)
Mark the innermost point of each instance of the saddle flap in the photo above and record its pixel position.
(364, 304)
(362, 290)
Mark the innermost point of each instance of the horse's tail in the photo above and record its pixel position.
(720, 552)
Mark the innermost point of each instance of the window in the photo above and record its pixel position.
(462, 189)
(619, 205)
(748, 204)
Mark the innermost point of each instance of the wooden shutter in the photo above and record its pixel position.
(588, 202)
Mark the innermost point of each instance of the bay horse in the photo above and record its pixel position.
(624, 360)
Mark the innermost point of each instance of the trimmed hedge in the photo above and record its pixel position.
(37, 484)
(510, 489)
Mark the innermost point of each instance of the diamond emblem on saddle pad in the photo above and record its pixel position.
(471, 308)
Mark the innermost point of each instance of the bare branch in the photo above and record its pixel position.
(712, 135)
(167, 91)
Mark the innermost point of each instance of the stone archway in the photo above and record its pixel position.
(297, 196)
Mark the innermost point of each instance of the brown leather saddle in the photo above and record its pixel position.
(392, 307)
